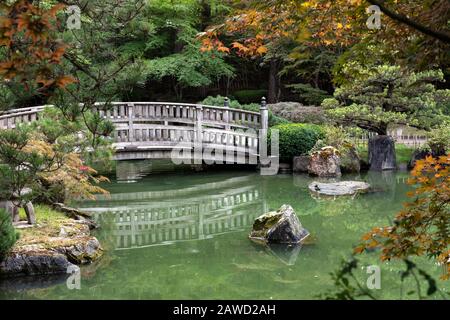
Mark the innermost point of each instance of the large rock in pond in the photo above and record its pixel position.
(382, 153)
(282, 226)
(325, 163)
(343, 188)
(301, 163)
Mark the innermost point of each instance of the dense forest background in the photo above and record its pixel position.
(186, 50)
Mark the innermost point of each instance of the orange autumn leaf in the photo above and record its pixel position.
(35, 60)
(420, 229)
(262, 50)
(64, 81)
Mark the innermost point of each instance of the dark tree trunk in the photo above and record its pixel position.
(274, 81)
(205, 14)
(178, 46)
(382, 129)
(382, 153)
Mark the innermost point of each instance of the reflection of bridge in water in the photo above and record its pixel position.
(160, 217)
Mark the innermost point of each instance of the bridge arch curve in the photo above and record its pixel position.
(163, 130)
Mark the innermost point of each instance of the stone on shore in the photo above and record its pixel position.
(342, 188)
(282, 226)
(325, 163)
(48, 251)
(33, 260)
(82, 252)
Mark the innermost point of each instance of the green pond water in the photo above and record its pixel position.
(183, 235)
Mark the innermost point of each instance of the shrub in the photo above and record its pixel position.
(273, 119)
(308, 94)
(298, 113)
(249, 96)
(335, 137)
(8, 235)
(439, 140)
(298, 139)
(219, 101)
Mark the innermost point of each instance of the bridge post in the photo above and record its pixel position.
(226, 115)
(264, 129)
(130, 122)
(264, 114)
(198, 137)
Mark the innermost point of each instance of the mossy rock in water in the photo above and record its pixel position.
(281, 226)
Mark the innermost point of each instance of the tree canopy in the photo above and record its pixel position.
(383, 95)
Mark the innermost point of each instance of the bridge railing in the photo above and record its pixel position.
(146, 130)
(182, 113)
(159, 124)
(163, 122)
(9, 119)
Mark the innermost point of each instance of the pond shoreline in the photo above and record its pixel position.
(53, 246)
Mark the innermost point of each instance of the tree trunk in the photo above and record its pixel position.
(206, 14)
(272, 96)
(382, 153)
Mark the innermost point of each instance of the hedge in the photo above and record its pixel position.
(298, 139)
(249, 96)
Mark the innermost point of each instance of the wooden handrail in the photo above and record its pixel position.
(166, 124)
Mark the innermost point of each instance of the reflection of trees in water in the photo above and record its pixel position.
(25, 285)
(131, 171)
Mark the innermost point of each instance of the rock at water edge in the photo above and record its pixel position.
(382, 153)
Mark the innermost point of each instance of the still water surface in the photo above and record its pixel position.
(183, 235)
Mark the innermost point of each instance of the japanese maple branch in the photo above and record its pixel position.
(439, 35)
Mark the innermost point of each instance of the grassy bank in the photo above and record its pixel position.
(49, 224)
(403, 153)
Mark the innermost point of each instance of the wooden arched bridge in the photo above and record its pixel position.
(160, 130)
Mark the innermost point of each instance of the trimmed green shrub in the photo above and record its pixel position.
(276, 120)
(298, 139)
(219, 101)
(309, 95)
(8, 235)
(249, 96)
